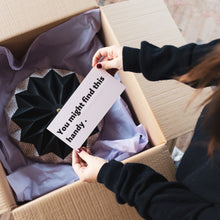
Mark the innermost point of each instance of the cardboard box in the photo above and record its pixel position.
(125, 23)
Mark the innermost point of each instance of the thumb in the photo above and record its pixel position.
(84, 155)
(111, 64)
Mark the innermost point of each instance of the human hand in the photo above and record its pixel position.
(86, 166)
(112, 58)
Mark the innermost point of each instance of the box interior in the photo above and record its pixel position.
(124, 23)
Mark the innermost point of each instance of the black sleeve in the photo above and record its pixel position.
(164, 63)
(152, 195)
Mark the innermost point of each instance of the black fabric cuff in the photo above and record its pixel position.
(131, 59)
(109, 174)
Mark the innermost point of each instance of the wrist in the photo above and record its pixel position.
(130, 59)
(109, 172)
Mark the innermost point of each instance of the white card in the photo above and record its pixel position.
(86, 108)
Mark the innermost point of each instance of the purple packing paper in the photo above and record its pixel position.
(119, 138)
(69, 46)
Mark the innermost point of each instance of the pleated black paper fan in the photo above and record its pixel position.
(38, 105)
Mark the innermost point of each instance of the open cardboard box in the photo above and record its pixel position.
(124, 23)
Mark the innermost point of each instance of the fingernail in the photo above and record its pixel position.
(78, 150)
(99, 65)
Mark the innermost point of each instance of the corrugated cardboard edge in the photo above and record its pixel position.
(97, 202)
(7, 199)
(159, 159)
(7, 216)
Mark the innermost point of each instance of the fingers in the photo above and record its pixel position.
(111, 64)
(111, 58)
(75, 157)
(103, 52)
(84, 155)
(86, 166)
(76, 161)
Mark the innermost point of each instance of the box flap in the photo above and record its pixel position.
(141, 108)
(93, 201)
(21, 21)
(134, 94)
(135, 21)
(7, 201)
(158, 158)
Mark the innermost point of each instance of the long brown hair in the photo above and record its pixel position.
(204, 74)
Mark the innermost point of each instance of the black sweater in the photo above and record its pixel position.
(196, 193)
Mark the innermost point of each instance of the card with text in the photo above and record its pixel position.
(86, 108)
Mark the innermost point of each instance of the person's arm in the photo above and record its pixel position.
(164, 63)
(152, 195)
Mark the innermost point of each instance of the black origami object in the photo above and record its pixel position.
(37, 107)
